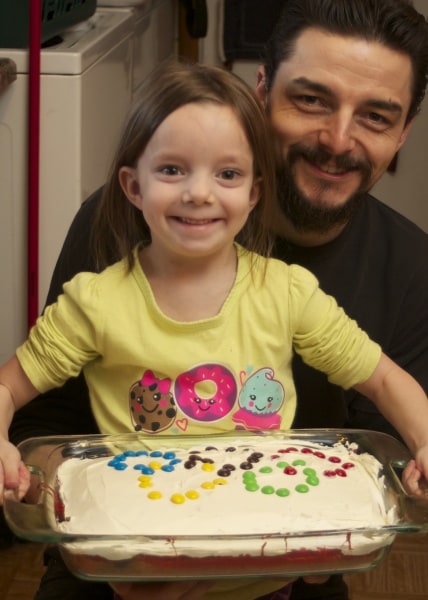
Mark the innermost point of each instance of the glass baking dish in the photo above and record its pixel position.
(139, 557)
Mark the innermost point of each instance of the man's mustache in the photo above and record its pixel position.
(319, 156)
(305, 214)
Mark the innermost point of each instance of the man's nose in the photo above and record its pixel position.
(337, 133)
(199, 189)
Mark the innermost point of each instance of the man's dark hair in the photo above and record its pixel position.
(394, 23)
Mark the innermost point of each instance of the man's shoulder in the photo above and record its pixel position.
(380, 239)
(383, 220)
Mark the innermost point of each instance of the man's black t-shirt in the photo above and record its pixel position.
(377, 270)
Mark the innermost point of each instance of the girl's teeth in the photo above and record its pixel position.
(196, 222)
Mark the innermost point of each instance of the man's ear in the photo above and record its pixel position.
(261, 89)
(130, 186)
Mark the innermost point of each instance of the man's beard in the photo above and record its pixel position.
(304, 214)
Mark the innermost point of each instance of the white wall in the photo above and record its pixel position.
(407, 189)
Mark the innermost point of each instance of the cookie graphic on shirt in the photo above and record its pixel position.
(151, 404)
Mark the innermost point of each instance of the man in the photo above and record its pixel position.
(341, 89)
(341, 105)
(342, 82)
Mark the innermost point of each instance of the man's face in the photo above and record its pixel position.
(338, 106)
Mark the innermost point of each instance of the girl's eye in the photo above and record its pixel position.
(229, 174)
(170, 170)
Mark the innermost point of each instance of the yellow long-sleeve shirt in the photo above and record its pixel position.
(149, 373)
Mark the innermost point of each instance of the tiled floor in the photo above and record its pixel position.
(402, 576)
(21, 566)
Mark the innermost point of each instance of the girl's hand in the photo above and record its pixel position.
(414, 481)
(415, 475)
(14, 474)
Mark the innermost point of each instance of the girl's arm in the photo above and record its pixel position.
(16, 390)
(404, 403)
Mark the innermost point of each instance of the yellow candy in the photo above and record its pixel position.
(208, 467)
(155, 465)
(220, 481)
(145, 484)
(144, 478)
(207, 485)
(192, 495)
(154, 495)
(178, 498)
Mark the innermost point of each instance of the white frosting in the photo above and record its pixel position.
(344, 495)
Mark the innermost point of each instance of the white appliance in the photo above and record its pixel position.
(86, 89)
(155, 32)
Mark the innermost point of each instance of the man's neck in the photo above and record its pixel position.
(286, 230)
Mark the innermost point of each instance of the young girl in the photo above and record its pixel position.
(194, 330)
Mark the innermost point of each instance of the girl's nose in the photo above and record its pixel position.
(199, 190)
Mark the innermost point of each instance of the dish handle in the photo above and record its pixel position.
(28, 519)
(414, 508)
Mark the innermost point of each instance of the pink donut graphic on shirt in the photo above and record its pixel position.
(206, 392)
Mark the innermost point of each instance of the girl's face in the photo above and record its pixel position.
(194, 182)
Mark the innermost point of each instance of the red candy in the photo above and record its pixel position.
(319, 454)
(290, 471)
(329, 473)
(340, 472)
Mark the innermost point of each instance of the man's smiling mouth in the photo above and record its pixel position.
(332, 169)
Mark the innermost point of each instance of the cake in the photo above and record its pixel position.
(235, 505)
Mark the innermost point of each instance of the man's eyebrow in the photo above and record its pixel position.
(308, 84)
(387, 105)
(316, 86)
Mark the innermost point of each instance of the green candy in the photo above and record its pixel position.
(309, 472)
(312, 480)
(283, 492)
(268, 489)
(282, 464)
(251, 486)
(302, 488)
